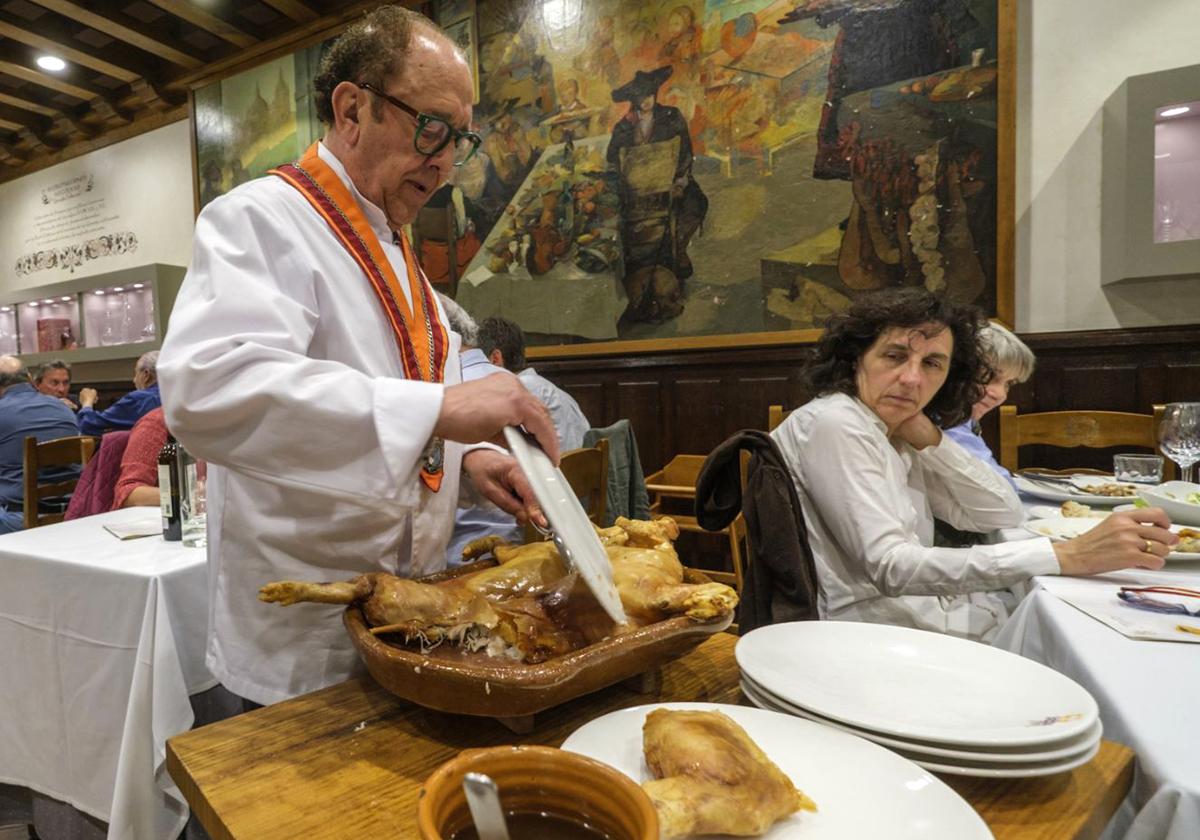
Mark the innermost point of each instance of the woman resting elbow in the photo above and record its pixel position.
(873, 469)
(138, 482)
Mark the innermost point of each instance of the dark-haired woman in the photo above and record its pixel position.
(873, 469)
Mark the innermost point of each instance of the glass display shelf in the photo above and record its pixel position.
(121, 314)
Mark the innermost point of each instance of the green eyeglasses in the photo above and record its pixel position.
(433, 133)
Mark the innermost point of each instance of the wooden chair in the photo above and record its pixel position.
(586, 470)
(775, 416)
(677, 480)
(1093, 429)
(61, 452)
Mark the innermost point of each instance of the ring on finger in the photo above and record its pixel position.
(1149, 549)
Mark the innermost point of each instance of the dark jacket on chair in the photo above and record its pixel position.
(780, 579)
(94, 492)
(627, 494)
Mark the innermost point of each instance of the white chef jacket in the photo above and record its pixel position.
(280, 368)
(568, 418)
(869, 506)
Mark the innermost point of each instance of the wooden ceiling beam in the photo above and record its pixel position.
(14, 119)
(208, 22)
(293, 9)
(128, 32)
(60, 49)
(26, 105)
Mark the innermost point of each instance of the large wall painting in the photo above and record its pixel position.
(253, 121)
(728, 171)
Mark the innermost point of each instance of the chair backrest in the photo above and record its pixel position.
(586, 470)
(1093, 429)
(61, 452)
(775, 416)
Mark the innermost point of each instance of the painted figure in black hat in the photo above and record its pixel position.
(648, 121)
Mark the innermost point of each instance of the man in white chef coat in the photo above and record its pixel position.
(310, 363)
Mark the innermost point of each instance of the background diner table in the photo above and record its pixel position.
(101, 643)
(1147, 692)
(349, 761)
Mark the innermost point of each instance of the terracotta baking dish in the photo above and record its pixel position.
(473, 684)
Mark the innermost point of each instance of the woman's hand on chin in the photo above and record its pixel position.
(918, 432)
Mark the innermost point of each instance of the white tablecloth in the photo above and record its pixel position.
(101, 642)
(1148, 693)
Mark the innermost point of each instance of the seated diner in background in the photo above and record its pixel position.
(1012, 363)
(54, 380)
(873, 468)
(23, 413)
(127, 410)
(137, 483)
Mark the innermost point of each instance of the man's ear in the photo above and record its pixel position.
(496, 357)
(345, 101)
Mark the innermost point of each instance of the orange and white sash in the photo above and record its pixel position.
(422, 339)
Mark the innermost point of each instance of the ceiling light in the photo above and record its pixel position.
(118, 288)
(65, 298)
(52, 63)
(98, 292)
(1174, 112)
(48, 300)
(33, 303)
(5, 309)
(138, 285)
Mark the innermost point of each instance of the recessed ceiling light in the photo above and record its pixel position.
(1174, 112)
(66, 298)
(98, 292)
(33, 303)
(48, 300)
(137, 285)
(52, 63)
(118, 288)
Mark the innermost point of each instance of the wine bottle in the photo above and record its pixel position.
(168, 490)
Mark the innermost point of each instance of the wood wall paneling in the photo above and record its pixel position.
(688, 402)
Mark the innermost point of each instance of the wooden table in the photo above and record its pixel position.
(348, 761)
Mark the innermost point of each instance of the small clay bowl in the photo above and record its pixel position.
(535, 779)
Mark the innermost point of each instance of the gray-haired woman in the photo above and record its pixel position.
(1012, 363)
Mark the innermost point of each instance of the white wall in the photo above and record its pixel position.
(139, 189)
(1072, 55)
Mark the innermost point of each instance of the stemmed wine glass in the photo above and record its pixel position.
(1179, 436)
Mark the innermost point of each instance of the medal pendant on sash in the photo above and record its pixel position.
(432, 460)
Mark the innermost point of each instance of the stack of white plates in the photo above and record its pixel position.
(947, 704)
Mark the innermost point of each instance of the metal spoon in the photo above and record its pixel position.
(483, 800)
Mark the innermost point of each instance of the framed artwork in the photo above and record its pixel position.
(672, 174)
(463, 33)
(249, 122)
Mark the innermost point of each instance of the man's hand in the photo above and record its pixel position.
(478, 411)
(918, 431)
(497, 476)
(87, 397)
(68, 403)
(1130, 539)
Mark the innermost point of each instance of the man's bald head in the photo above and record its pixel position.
(12, 371)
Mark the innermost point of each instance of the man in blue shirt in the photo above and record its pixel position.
(24, 412)
(127, 410)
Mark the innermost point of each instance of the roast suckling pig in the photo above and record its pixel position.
(528, 607)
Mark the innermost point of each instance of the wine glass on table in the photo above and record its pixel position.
(1179, 436)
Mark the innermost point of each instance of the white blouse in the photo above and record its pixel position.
(869, 505)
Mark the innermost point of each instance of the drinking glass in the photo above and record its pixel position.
(1179, 436)
(193, 499)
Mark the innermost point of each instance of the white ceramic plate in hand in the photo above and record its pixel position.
(1063, 528)
(1057, 752)
(1062, 492)
(861, 789)
(585, 553)
(915, 684)
(1172, 497)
